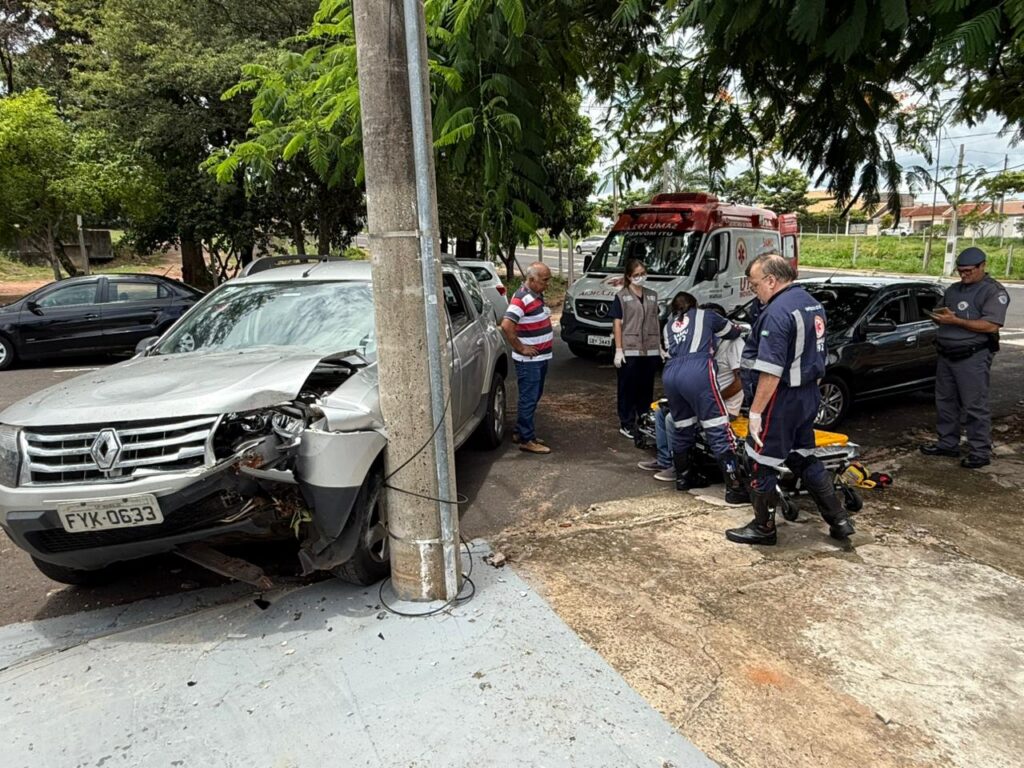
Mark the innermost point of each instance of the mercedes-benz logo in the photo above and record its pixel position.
(601, 310)
(106, 449)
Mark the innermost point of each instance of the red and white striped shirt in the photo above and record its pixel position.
(533, 323)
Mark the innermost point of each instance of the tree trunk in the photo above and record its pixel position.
(53, 252)
(299, 238)
(65, 260)
(193, 266)
(245, 254)
(323, 236)
(465, 248)
(7, 64)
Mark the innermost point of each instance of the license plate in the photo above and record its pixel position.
(599, 341)
(106, 514)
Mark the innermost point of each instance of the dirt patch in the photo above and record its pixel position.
(905, 648)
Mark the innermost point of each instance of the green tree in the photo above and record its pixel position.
(51, 173)
(783, 191)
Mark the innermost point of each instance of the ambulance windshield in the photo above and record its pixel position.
(663, 253)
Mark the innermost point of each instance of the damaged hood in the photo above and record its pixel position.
(170, 386)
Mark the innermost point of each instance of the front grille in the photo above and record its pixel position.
(193, 517)
(65, 455)
(592, 309)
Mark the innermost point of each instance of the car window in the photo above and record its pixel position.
(481, 273)
(473, 289)
(926, 302)
(70, 296)
(895, 309)
(133, 290)
(843, 303)
(454, 302)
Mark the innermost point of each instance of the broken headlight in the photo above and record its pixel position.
(9, 456)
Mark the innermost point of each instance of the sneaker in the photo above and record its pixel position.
(934, 449)
(627, 432)
(667, 475)
(651, 466)
(534, 446)
(517, 440)
(974, 462)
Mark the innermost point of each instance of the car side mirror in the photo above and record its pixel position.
(587, 260)
(33, 307)
(879, 326)
(143, 347)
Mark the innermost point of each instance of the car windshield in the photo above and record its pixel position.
(322, 317)
(663, 253)
(843, 303)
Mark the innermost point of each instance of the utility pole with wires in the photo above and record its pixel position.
(412, 338)
(947, 264)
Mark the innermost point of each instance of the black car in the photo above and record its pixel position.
(880, 340)
(88, 315)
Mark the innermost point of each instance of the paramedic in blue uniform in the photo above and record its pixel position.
(786, 351)
(691, 386)
(637, 330)
(973, 311)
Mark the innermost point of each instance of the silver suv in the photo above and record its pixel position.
(256, 415)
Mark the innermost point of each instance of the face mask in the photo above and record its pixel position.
(638, 280)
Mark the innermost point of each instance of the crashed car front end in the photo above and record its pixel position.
(236, 427)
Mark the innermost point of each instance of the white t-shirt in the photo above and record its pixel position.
(727, 360)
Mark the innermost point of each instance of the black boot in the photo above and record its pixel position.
(736, 491)
(682, 464)
(760, 530)
(819, 485)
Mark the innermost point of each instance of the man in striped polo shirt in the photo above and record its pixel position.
(527, 326)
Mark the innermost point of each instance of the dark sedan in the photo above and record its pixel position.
(880, 340)
(90, 315)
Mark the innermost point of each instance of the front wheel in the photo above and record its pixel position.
(7, 354)
(852, 500)
(371, 561)
(76, 577)
(835, 402)
(491, 432)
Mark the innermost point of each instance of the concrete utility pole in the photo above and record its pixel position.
(947, 264)
(414, 360)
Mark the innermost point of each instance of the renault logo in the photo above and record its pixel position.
(106, 449)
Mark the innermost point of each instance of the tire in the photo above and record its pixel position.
(370, 563)
(75, 576)
(583, 350)
(491, 432)
(788, 508)
(8, 357)
(835, 402)
(852, 500)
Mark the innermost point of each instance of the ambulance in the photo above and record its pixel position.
(689, 242)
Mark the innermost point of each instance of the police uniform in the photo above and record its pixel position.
(788, 340)
(691, 386)
(965, 359)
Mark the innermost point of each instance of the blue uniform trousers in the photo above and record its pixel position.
(691, 387)
(787, 434)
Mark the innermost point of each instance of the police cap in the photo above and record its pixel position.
(970, 257)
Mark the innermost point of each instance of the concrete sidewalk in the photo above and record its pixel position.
(323, 677)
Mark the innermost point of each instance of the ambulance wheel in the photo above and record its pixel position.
(851, 499)
(583, 350)
(835, 401)
(788, 508)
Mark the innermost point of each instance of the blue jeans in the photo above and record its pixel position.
(664, 434)
(530, 377)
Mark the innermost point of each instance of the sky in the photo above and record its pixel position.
(983, 147)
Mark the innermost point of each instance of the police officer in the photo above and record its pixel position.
(969, 320)
(786, 351)
(691, 386)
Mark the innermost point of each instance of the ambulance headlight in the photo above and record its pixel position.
(567, 305)
(9, 457)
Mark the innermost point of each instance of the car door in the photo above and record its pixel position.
(925, 299)
(133, 309)
(887, 359)
(65, 319)
(468, 341)
(712, 281)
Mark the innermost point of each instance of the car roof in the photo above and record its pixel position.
(477, 262)
(867, 281)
